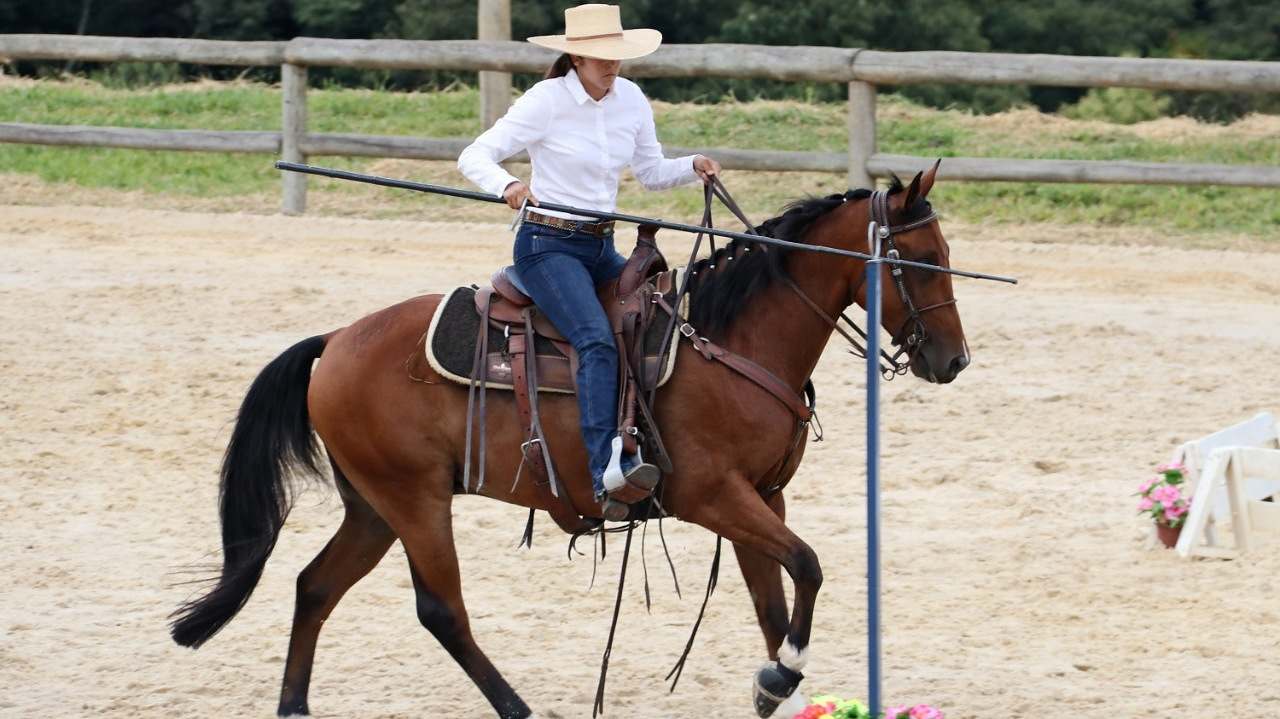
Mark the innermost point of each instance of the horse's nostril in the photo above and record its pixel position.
(958, 364)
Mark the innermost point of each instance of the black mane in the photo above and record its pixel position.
(720, 286)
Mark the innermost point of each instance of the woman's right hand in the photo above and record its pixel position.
(516, 193)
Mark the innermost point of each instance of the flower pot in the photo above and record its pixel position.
(1168, 535)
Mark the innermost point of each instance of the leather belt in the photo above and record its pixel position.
(599, 229)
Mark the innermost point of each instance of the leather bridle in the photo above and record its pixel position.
(912, 343)
(909, 345)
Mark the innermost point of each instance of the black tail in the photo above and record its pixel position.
(272, 439)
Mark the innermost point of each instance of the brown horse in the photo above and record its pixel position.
(396, 446)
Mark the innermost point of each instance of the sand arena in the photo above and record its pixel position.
(1016, 580)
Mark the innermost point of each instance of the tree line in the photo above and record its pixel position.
(1217, 29)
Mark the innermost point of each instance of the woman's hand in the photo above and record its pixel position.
(516, 193)
(706, 168)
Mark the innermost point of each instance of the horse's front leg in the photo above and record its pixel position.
(764, 583)
(757, 531)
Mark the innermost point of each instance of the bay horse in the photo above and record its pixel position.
(396, 447)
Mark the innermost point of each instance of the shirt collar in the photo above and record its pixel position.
(579, 92)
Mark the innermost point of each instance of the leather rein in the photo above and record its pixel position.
(890, 365)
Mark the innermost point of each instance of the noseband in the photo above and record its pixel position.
(911, 344)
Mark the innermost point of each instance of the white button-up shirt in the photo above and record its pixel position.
(578, 146)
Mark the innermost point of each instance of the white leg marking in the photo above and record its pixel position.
(792, 658)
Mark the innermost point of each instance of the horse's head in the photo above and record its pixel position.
(919, 308)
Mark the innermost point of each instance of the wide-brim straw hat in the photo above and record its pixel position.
(595, 30)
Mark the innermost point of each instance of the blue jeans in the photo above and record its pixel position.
(560, 270)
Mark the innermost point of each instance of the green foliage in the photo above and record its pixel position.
(346, 18)
(1221, 106)
(244, 19)
(146, 18)
(136, 74)
(1120, 105)
(906, 25)
(1084, 27)
(1230, 30)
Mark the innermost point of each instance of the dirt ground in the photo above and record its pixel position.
(1017, 582)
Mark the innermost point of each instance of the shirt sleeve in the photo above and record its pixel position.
(524, 124)
(653, 170)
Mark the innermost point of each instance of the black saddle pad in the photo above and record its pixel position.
(453, 343)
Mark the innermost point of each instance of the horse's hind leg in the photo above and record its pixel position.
(434, 565)
(358, 546)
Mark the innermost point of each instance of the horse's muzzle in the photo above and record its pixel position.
(927, 366)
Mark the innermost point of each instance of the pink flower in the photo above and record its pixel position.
(1145, 504)
(1171, 467)
(1145, 486)
(898, 712)
(1166, 494)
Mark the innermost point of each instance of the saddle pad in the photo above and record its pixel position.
(451, 342)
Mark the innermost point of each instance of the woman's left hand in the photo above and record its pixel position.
(706, 168)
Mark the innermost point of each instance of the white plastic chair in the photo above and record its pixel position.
(1233, 472)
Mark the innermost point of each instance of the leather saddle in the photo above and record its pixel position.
(556, 359)
(516, 347)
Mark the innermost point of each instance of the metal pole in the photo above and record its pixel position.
(873, 468)
(620, 217)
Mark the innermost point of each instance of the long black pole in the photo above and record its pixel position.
(619, 217)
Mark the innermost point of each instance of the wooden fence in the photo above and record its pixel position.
(861, 69)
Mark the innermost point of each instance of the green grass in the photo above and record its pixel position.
(903, 129)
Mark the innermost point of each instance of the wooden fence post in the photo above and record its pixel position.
(862, 133)
(293, 80)
(494, 23)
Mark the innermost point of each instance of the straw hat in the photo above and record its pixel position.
(595, 30)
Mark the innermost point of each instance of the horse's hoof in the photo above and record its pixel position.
(293, 708)
(774, 684)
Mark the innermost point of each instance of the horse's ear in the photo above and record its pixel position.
(930, 175)
(913, 192)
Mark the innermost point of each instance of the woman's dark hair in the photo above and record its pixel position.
(560, 67)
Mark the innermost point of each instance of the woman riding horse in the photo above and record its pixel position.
(395, 432)
(581, 126)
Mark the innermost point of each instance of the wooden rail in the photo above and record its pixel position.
(91, 48)
(862, 70)
(879, 164)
